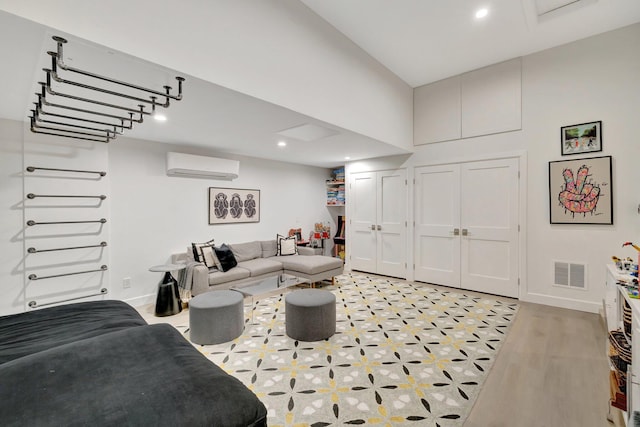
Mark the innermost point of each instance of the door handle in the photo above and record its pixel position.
(456, 232)
(373, 227)
(379, 227)
(465, 232)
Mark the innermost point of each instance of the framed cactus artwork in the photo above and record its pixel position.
(233, 205)
(581, 191)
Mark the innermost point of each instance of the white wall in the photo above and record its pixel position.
(592, 79)
(151, 215)
(155, 215)
(11, 219)
(275, 50)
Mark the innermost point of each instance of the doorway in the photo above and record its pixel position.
(466, 226)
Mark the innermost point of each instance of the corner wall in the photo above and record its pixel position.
(592, 79)
(11, 218)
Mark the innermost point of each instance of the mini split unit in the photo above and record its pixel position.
(179, 164)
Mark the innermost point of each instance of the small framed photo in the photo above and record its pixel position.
(582, 138)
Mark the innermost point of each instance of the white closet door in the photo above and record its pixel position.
(362, 198)
(437, 244)
(391, 223)
(489, 226)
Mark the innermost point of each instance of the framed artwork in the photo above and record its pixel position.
(581, 191)
(233, 205)
(582, 138)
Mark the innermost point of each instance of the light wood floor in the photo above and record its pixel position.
(552, 371)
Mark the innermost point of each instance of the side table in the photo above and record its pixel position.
(168, 300)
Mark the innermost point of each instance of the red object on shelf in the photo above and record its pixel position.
(316, 235)
(325, 234)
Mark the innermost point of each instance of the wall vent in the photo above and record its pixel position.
(570, 275)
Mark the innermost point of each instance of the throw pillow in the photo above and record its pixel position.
(286, 245)
(226, 258)
(209, 257)
(197, 250)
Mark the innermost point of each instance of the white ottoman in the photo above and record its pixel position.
(216, 317)
(310, 314)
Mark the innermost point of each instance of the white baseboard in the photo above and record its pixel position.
(573, 304)
(142, 300)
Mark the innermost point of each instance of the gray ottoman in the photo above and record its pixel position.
(216, 317)
(310, 314)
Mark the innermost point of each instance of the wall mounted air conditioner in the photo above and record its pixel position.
(179, 164)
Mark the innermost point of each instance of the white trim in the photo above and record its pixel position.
(467, 159)
(141, 300)
(568, 303)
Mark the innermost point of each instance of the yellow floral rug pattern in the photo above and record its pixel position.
(403, 354)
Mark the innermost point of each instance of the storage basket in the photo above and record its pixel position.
(622, 381)
(626, 318)
(619, 366)
(621, 348)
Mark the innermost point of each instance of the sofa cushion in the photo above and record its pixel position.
(140, 376)
(269, 248)
(237, 273)
(246, 251)
(309, 264)
(261, 266)
(25, 333)
(225, 257)
(287, 245)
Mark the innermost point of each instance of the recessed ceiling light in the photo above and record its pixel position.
(347, 158)
(159, 117)
(481, 13)
(282, 144)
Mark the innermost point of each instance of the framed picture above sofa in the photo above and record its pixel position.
(233, 205)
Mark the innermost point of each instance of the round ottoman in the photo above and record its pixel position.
(310, 314)
(216, 317)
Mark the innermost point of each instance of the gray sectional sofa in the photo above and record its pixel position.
(258, 260)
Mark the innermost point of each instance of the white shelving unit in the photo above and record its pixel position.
(335, 193)
(615, 297)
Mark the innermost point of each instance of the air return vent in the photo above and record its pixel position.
(551, 8)
(570, 275)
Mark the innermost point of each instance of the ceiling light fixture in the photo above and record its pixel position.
(282, 144)
(347, 158)
(482, 13)
(160, 117)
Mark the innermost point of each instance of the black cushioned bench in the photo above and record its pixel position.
(100, 364)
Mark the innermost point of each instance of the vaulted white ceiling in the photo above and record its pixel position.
(245, 110)
(423, 41)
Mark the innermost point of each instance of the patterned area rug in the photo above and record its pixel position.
(403, 354)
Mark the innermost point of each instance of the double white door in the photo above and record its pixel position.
(378, 222)
(466, 226)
